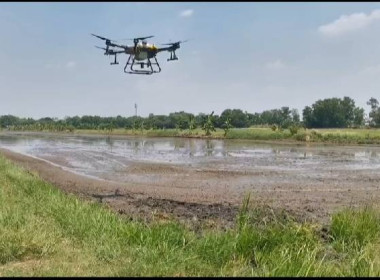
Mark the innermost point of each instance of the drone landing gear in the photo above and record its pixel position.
(172, 56)
(115, 62)
(142, 64)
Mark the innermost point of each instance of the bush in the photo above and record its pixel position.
(293, 129)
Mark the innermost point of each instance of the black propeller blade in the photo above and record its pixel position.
(143, 38)
(175, 43)
(103, 38)
(137, 39)
(101, 48)
(107, 51)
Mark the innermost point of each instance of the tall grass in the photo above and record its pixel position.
(44, 232)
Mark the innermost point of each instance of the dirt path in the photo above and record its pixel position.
(197, 196)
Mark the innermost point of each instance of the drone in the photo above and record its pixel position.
(140, 54)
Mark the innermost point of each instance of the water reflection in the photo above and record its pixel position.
(97, 151)
(110, 143)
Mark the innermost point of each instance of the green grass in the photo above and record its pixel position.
(337, 136)
(44, 232)
(359, 136)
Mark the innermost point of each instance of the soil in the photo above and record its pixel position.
(203, 197)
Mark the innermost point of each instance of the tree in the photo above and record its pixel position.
(373, 103)
(142, 126)
(227, 126)
(200, 119)
(332, 112)
(238, 117)
(192, 124)
(374, 114)
(358, 117)
(136, 124)
(180, 120)
(308, 116)
(208, 126)
(295, 116)
(8, 120)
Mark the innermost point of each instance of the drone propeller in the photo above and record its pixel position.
(137, 39)
(143, 38)
(103, 38)
(101, 48)
(175, 43)
(107, 51)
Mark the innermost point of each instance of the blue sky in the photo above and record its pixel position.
(251, 56)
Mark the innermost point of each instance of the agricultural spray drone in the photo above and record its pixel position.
(141, 54)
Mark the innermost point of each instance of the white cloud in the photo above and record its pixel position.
(348, 23)
(71, 64)
(186, 13)
(277, 64)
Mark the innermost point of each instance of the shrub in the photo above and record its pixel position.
(293, 129)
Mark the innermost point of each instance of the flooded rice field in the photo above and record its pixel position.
(300, 176)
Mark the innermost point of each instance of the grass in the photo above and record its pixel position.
(337, 136)
(44, 232)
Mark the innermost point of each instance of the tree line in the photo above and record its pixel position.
(326, 113)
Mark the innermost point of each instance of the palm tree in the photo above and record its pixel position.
(227, 126)
(192, 124)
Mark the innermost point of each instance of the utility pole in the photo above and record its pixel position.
(135, 109)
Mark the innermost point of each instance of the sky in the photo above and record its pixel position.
(240, 55)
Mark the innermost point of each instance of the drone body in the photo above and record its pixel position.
(140, 54)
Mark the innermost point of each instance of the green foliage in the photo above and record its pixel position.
(283, 117)
(358, 119)
(227, 126)
(374, 114)
(327, 113)
(333, 113)
(180, 119)
(192, 124)
(293, 129)
(136, 124)
(208, 126)
(142, 126)
(236, 117)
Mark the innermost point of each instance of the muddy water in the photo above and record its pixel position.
(234, 164)
(96, 155)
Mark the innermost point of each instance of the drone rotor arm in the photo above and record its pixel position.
(117, 52)
(117, 46)
(164, 49)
